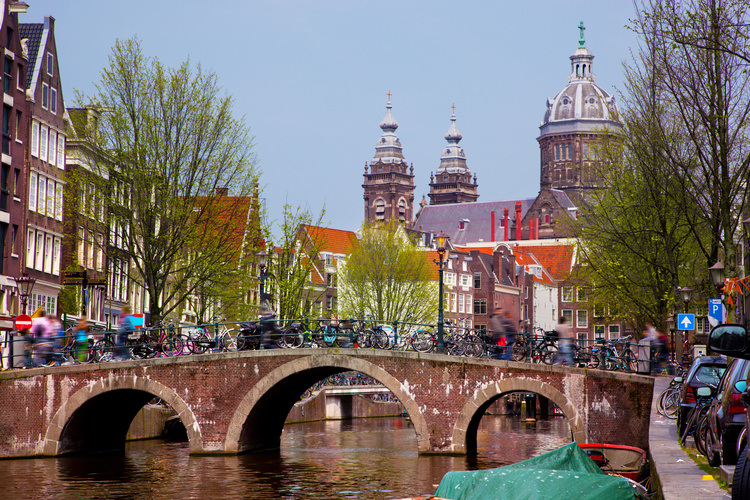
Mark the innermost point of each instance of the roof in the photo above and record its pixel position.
(33, 32)
(556, 259)
(478, 226)
(226, 215)
(332, 240)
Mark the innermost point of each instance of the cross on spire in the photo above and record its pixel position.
(453, 107)
(581, 28)
(389, 95)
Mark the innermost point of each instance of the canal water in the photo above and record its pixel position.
(374, 458)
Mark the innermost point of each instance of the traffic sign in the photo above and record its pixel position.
(686, 322)
(73, 281)
(74, 274)
(23, 321)
(98, 282)
(715, 312)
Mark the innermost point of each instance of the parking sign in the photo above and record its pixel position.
(715, 312)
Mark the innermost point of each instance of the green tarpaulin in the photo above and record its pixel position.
(565, 473)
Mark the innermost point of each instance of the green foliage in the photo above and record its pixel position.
(387, 278)
(171, 145)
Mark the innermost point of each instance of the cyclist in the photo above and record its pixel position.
(82, 339)
(566, 342)
(496, 338)
(42, 332)
(124, 329)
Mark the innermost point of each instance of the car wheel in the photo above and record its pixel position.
(712, 454)
(741, 478)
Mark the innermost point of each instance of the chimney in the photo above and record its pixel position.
(518, 221)
(223, 191)
(507, 221)
(492, 217)
(532, 229)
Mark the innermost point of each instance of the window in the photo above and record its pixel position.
(557, 152)
(99, 252)
(89, 250)
(614, 331)
(48, 254)
(43, 138)
(450, 279)
(581, 295)
(59, 202)
(32, 191)
(14, 234)
(582, 318)
(328, 257)
(45, 96)
(30, 248)
(468, 304)
(582, 337)
(599, 331)
(454, 300)
(329, 302)
(461, 303)
(50, 198)
(52, 148)
(56, 257)
(7, 75)
(465, 280)
(477, 280)
(42, 196)
(480, 306)
(53, 100)
(380, 209)
(61, 151)
(35, 139)
(567, 294)
(39, 257)
(81, 239)
(50, 64)
(568, 315)
(600, 310)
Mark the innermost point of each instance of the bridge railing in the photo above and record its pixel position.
(268, 332)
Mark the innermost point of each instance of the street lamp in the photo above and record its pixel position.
(25, 285)
(262, 261)
(671, 326)
(442, 241)
(717, 275)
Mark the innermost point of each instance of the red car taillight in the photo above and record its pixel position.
(690, 395)
(735, 404)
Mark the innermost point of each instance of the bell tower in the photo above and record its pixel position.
(452, 182)
(388, 180)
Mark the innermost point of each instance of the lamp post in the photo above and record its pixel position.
(25, 285)
(442, 241)
(671, 326)
(262, 261)
(746, 225)
(686, 292)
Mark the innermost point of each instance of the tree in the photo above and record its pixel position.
(388, 278)
(172, 147)
(293, 263)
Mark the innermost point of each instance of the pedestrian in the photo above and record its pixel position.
(497, 339)
(509, 332)
(58, 340)
(565, 336)
(658, 347)
(41, 333)
(82, 330)
(124, 329)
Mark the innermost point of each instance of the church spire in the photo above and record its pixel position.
(388, 148)
(453, 158)
(452, 180)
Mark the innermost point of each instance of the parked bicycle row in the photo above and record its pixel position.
(168, 339)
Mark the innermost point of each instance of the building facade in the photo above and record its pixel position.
(452, 183)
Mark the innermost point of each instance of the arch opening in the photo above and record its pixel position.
(258, 423)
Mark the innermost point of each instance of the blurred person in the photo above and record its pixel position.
(565, 336)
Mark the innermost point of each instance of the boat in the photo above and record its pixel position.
(561, 474)
(618, 459)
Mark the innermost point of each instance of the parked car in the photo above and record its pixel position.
(726, 416)
(732, 340)
(706, 370)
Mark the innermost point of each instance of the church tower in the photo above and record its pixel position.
(575, 122)
(452, 182)
(389, 184)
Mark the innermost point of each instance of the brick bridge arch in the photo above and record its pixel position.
(467, 422)
(259, 419)
(97, 417)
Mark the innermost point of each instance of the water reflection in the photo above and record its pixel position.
(363, 458)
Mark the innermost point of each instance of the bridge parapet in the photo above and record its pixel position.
(234, 402)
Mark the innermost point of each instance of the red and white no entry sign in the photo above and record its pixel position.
(23, 321)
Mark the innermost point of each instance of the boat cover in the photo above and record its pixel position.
(564, 473)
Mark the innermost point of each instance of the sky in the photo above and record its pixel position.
(310, 79)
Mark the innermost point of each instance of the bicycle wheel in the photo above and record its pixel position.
(103, 351)
(422, 341)
(293, 338)
(672, 404)
(630, 360)
(363, 338)
(588, 358)
(454, 346)
(473, 346)
(549, 357)
(379, 339)
(174, 345)
(199, 342)
(701, 430)
(228, 340)
(519, 350)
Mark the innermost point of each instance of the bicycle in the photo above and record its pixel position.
(536, 345)
(696, 420)
(71, 349)
(620, 359)
(669, 400)
(201, 339)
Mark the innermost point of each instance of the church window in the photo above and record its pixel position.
(570, 152)
(557, 152)
(566, 101)
(380, 209)
(546, 218)
(402, 210)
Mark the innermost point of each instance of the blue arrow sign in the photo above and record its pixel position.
(686, 321)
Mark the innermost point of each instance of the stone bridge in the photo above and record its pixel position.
(237, 402)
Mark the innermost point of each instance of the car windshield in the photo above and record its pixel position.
(709, 374)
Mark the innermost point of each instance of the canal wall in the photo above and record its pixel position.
(318, 407)
(149, 422)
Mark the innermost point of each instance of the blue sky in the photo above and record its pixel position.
(311, 78)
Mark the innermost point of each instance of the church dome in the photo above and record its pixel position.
(388, 149)
(582, 106)
(453, 157)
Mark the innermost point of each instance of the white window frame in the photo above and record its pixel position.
(41, 195)
(35, 138)
(43, 142)
(59, 201)
(465, 280)
(48, 254)
(450, 279)
(566, 294)
(454, 300)
(81, 240)
(33, 184)
(50, 64)
(89, 250)
(39, 256)
(56, 257)
(613, 331)
(50, 198)
(469, 304)
(99, 251)
(61, 151)
(461, 303)
(30, 248)
(582, 318)
(52, 148)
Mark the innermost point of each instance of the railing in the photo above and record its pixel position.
(267, 332)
